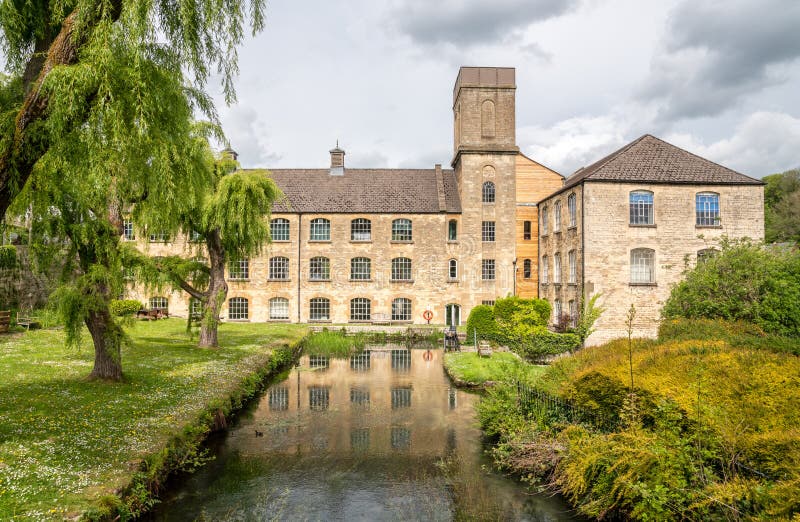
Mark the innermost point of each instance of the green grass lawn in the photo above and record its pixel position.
(471, 368)
(65, 442)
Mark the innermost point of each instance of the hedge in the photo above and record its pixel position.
(538, 347)
(124, 307)
(481, 319)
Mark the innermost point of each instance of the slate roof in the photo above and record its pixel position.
(382, 191)
(652, 160)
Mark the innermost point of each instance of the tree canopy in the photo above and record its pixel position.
(782, 207)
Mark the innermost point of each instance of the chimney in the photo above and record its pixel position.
(337, 160)
(229, 153)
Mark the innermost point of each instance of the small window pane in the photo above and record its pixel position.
(320, 230)
(556, 311)
(279, 268)
(319, 269)
(573, 267)
(452, 269)
(641, 208)
(488, 270)
(401, 309)
(158, 237)
(643, 265)
(526, 232)
(239, 269)
(360, 268)
(238, 308)
(360, 309)
(159, 303)
(320, 309)
(127, 230)
(488, 192)
(401, 230)
(361, 230)
(573, 313)
(401, 269)
(707, 210)
(557, 269)
(545, 270)
(452, 230)
(278, 308)
(544, 220)
(572, 205)
(557, 217)
(487, 231)
(526, 269)
(279, 229)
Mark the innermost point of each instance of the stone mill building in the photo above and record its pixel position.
(399, 245)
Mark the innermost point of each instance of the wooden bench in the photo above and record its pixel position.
(484, 349)
(152, 315)
(5, 320)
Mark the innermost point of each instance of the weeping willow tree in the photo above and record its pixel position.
(97, 117)
(232, 223)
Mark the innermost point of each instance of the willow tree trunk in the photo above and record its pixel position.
(107, 338)
(217, 291)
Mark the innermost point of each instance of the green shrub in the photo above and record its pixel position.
(738, 334)
(124, 307)
(743, 282)
(544, 343)
(481, 320)
(8, 256)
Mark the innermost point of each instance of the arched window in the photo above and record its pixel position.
(643, 269)
(401, 309)
(159, 303)
(361, 230)
(279, 229)
(641, 204)
(488, 192)
(320, 230)
(557, 311)
(360, 309)
(278, 308)
(452, 230)
(707, 209)
(705, 254)
(279, 268)
(544, 221)
(527, 269)
(239, 269)
(487, 119)
(527, 228)
(573, 267)
(238, 308)
(452, 269)
(545, 270)
(319, 269)
(360, 269)
(557, 269)
(557, 216)
(320, 309)
(572, 205)
(401, 269)
(401, 230)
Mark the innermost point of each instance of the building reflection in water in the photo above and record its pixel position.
(360, 361)
(319, 362)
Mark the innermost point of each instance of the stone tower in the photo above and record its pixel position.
(485, 152)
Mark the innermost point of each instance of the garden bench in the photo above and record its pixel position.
(152, 315)
(484, 349)
(5, 320)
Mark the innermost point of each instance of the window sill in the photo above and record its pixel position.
(360, 280)
(239, 279)
(271, 320)
(281, 241)
(527, 238)
(360, 321)
(544, 284)
(161, 242)
(401, 242)
(238, 320)
(328, 280)
(557, 232)
(572, 227)
(274, 280)
(708, 226)
(557, 284)
(642, 284)
(361, 241)
(319, 240)
(489, 241)
(572, 284)
(452, 241)
(633, 225)
(401, 280)
(488, 280)
(543, 236)
(449, 280)
(320, 321)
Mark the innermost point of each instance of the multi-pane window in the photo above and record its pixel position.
(452, 230)
(279, 268)
(278, 308)
(641, 203)
(573, 313)
(557, 216)
(545, 271)
(452, 269)
(401, 269)
(320, 309)
(487, 231)
(238, 308)
(488, 302)
(158, 237)
(557, 269)
(401, 309)
(320, 230)
(195, 237)
(279, 229)
(573, 267)
(705, 254)
(526, 230)
(643, 265)
(526, 269)
(572, 206)
(360, 268)
(488, 192)
(195, 308)
(159, 303)
(361, 230)
(707, 209)
(128, 233)
(544, 220)
(319, 269)
(488, 270)
(401, 230)
(239, 269)
(360, 309)
(557, 311)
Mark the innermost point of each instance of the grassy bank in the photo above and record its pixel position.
(469, 369)
(710, 432)
(68, 445)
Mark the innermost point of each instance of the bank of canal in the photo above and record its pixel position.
(381, 435)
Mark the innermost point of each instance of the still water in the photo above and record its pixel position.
(381, 435)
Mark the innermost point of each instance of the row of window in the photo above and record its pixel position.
(544, 273)
(570, 318)
(360, 269)
(572, 205)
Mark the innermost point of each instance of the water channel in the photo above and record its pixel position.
(381, 435)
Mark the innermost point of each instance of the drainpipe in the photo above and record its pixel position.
(299, 260)
(514, 265)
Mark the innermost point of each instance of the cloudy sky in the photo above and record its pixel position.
(720, 78)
